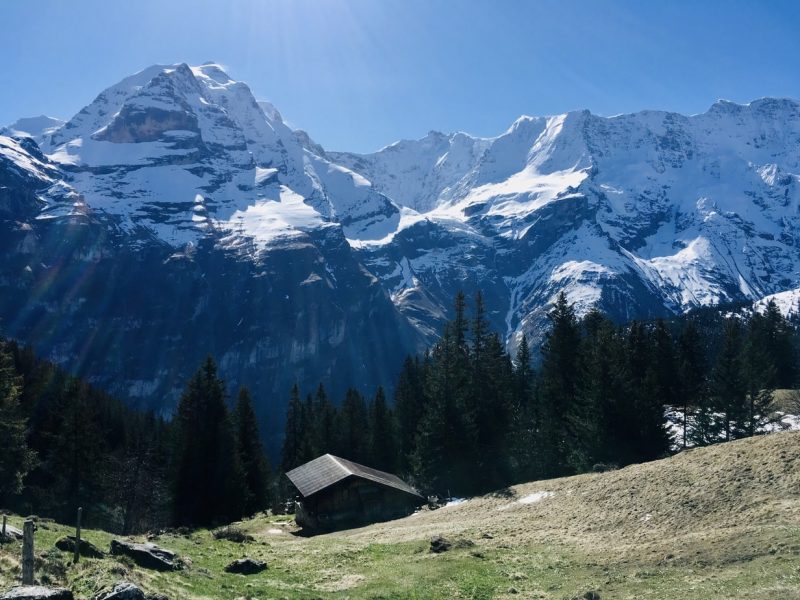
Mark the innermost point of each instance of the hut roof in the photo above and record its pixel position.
(326, 470)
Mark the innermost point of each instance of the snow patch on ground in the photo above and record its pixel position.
(454, 502)
(528, 499)
(535, 497)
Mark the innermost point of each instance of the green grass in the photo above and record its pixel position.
(720, 522)
(336, 567)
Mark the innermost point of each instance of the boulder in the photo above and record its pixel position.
(440, 544)
(12, 533)
(148, 556)
(246, 566)
(37, 592)
(122, 591)
(88, 549)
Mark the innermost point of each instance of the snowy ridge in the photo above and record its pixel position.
(787, 302)
(182, 151)
(643, 214)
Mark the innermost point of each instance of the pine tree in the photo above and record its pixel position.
(294, 435)
(523, 416)
(209, 478)
(138, 480)
(383, 444)
(445, 448)
(645, 419)
(79, 451)
(324, 423)
(353, 427)
(16, 458)
(596, 413)
(728, 384)
(255, 466)
(409, 402)
(692, 381)
(558, 377)
(494, 415)
(663, 365)
(780, 347)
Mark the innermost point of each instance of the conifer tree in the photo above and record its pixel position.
(523, 416)
(255, 466)
(779, 343)
(383, 445)
(595, 414)
(409, 402)
(444, 456)
(16, 458)
(645, 419)
(353, 427)
(691, 381)
(558, 377)
(728, 384)
(76, 440)
(294, 435)
(324, 423)
(209, 478)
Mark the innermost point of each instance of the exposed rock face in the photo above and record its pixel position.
(37, 592)
(246, 566)
(89, 550)
(148, 556)
(175, 217)
(645, 214)
(122, 591)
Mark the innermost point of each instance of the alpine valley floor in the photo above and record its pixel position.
(717, 522)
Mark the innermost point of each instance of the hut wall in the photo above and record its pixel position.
(354, 501)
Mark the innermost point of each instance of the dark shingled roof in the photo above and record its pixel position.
(326, 470)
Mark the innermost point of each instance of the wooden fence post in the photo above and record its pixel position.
(78, 537)
(27, 553)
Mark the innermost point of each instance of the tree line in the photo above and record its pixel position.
(67, 444)
(463, 418)
(467, 417)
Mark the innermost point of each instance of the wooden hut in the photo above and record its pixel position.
(337, 493)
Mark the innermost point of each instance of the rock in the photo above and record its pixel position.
(12, 533)
(37, 592)
(440, 544)
(590, 595)
(88, 549)
(148, 556)
(155, 597)
(246, 566)
(122, 591)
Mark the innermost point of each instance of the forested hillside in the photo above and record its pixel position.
(468, 417)
(464, 418)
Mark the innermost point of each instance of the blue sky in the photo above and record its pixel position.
(359, 74)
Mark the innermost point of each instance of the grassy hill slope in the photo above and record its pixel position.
(718, 522)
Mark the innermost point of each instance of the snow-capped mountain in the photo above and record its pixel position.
(173, 218)
(33, 127)
(176, 150)
(787, 302)
(176, 216)
(643, 214)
